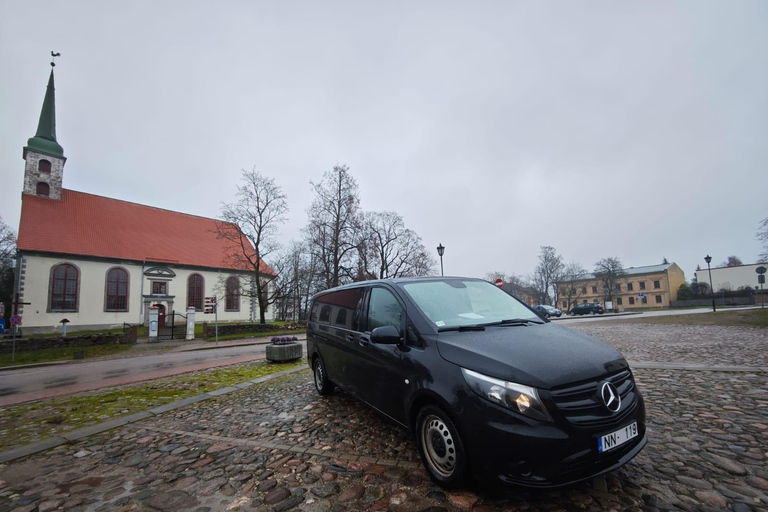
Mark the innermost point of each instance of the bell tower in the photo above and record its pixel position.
(44, 157)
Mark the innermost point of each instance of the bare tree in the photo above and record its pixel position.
(607, 272)
(7, 257)
(297, 282)
(546, 274)
(762, 235)
(388, 249)
(251, 224)
(332, 233)
(571, 285)
(732, 261)
(512, 284)
(7, 242)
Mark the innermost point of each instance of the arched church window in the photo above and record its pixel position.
(117, 290)
(64, 287)
(44, 166)
(233, 294)
(195, 291)
(43, 189)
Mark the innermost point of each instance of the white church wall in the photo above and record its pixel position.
(91, 304)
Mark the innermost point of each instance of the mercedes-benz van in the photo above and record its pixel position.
(488, 388)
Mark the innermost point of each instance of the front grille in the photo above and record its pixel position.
(583, 407)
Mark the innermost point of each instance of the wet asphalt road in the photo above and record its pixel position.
(21, 385)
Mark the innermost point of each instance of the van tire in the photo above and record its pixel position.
(322, 384)
(441, 447)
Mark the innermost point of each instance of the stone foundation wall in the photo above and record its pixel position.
(209, 329)
(87, 340)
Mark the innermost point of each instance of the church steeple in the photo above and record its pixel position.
(44, 168)
(45, 138)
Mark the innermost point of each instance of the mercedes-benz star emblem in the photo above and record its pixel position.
(611, 397)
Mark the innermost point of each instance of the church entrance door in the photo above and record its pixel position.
(160, 315)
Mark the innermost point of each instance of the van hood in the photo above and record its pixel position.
(543, 356)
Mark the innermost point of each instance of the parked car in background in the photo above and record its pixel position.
(547, 311)
(488, 388)
(589, 308)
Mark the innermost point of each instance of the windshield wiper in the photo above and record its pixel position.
(515, 321)
(461, 328)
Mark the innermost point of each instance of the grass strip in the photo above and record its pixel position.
(33, 421)
(740, 318)
(261, 334)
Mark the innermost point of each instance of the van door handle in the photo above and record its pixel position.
(363, 342)
(351, 338)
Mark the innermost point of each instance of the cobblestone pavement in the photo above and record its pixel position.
(711, 345)
(278, 446)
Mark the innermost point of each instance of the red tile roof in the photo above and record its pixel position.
(89, 225)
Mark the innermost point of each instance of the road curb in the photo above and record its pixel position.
(81, 433)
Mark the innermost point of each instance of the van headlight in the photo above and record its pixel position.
(521, 399)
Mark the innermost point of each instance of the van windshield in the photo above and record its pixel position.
(460, 302)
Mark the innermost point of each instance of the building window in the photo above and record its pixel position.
(585, 301)
(658, 299)
(584, 290)
(117, 290)
(618, 287)
(644, 300)
(159, 288)
(195, 291)
(656, 285)
(630, 287)
(233, 294)
(618, 301)
(44, 166)
(43, 189)
(594, 289)
(64, 288)
(642, 285)
(631, 301)
(565, 305)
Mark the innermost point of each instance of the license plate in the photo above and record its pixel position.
(617, 438)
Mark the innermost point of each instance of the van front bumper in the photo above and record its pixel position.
(508, 449)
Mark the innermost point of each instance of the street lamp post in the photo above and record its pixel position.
(708, 259)
(440, 251)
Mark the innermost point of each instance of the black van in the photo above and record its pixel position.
(488, 388)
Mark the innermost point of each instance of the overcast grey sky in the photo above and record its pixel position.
(629, 129)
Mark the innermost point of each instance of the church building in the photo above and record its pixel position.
(100, 262)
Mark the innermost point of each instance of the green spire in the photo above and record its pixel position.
(44, 140)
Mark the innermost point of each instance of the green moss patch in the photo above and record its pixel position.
(24, 423)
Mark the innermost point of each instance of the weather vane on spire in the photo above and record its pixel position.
(53, 56)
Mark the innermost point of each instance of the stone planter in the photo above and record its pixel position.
(285, 352)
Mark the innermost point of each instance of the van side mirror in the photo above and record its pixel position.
(386, 335)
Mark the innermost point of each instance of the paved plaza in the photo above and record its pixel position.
(279, 446)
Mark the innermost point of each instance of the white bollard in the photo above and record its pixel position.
(153, 323)
(190, 323)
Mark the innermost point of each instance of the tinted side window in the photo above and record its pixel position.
(339, 307)
(345, 305)
(383, 309)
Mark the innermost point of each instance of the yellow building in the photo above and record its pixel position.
(654, 286)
